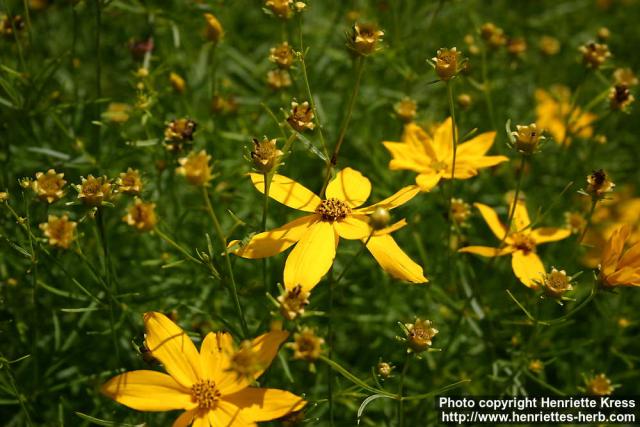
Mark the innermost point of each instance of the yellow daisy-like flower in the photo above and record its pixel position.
(202, 384)
(129, 182)
(213, 30)
(619, 267)
(521, 242)
(556, 115)
(317, 234)
(59, 230)
(49, 186)
(93, 191)
(432, 156)
(141, 215)
(195, 167)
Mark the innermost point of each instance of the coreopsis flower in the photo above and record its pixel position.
(556, 283)
(49, 186)
(59, 230)
(195, 167)
(432, 156)
(93, 191)
(316, 235)
(594, 54)
(460, 210)
(599, 385)
(406, 109)
(213, 30)
(493, 35)
(141, 215)
(517, 46)
(364, 38)
(536, 366)
(282, 55)
(527, 138)
(129, 182)
(619, 267)
(419, 335)
(575, 222)
(620, 97)
(301, 116)
(384, 369)
(117, 112)
(306, 345)
(178, 132)
(202, 383)
(280, 8)
(447, 63)
(293, 301)
(563, 121)
(177, 82)
(625, 76)
(521, 242)
(599, 184)
(278, 79)
(549, 45)
(265, 155)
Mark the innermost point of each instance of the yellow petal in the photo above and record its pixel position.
(520, 217)
(528, 268)
(477, 146)
(266, 347)
(393, 260)
(173, 347)
(443, 141)
(627, 276)
(350, 186)
(631, 257)
(265, 404)
(201, 419)
(288, 192)
(486, 251)
(426, 181)
(392, 228)
(272, 242)
(549, 234)
(401, 197)
(491, 218)
(215, 355)
(148, 391)
(186, 418)
(613, 249)
(312, 257)
(353, 227)
(228, 415)
(419, 141)
(405, 157)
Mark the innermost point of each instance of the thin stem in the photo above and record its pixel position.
(355, 257)
(223, 242)
(454, 146)
(594, 202)
(330, 376)
(98, 71)
(516, 194)
(265, 209)
(345, 124)
(16, 393)
(171, 242)
(403, 374)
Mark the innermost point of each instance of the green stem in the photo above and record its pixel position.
(16, 393)
(265, 209)
(330, 376)
(98, 71)
(594, 202)
(516, 194)
(403, 374)
(454, 146)
(171, 242)
(355, 257)
(223, 242)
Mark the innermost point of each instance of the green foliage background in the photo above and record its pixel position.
(55, 323)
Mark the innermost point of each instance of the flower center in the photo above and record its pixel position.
(333, 210)
(523, 242)
(438, 165)
(205, 393)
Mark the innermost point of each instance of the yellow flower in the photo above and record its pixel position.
(556, 115)
(594, 54)
(280, 8)
(575, 222)
(213, 31)
(306, 345)
(281, 55)
(406, 109)
(201, 383)
(521, 242)
(177, 132)
(527, 138)
(599, 183)
(599, 385)
(195, 167)
(493, 35)
(619, 267)
(556, 283)
(265, 155)
(549, 45)
(59, 230)
(620, 97)
(117, 112)
(141, 215)
(625, 76)
(384, 369)
(93, 191)
(4, 196)
(129, 182)
(316, 235)
(49, 186)
(536, 366)
(432, 157)
(446, 63)
(278, 79)
(460, 210)
(301, 116)
(177, 82)
(420, 334)
(365, 38)
(517, 46)
(292, 302)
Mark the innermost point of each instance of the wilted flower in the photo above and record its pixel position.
(49, 186)
(599, 385)
(213, 31)
(598, 183)
(419, 335)
(301, 116)
(129, 182)
(493, 35)
(364, 38)
(306, 345)
(280, 8)
(141, 215)
(177, 132)
(619, 267)
(517, 46)
(446, 63)
(93, 191)
(59, 230)
(292, 302)
(620, 97)
(556, 283)
(406, 109)
(282, 55)
(265, 154)
(177, 82)
(195, 167)
(527, 138)
(625, 76)
(594, 54)
(549, 45)
(278, 79)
